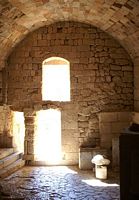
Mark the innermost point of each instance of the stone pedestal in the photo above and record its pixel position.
(86, 154)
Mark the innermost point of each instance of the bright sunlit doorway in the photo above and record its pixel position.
(48, 136)
(18, 130)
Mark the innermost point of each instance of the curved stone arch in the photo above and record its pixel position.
(130, 42)
(83, 38)
(117, 19)
(55, 60)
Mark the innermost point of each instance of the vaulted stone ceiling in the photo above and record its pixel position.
(120, 18)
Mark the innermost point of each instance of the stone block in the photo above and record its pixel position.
(86, 154)
(115, 67)
(29, 120)
(117, 127)
(83, 118)
(108, 117)
(28, 112)
(85, 160)
(69, 124)
(83, 124)
(73, 133)
(121, 61)
(127, 68)
(127, 79)
(124, 116)
(136, 94)
(106, 143)
(30, 147)
(28, 157)
(136, 83)
(105, 128)
(71, 158)
(135, 117)
(136, 72)
(136, 105)
(70, 145)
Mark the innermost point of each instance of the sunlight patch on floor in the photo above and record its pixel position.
(100, 183)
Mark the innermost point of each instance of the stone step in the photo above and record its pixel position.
(9, 159)
(11, 168)
(5, 152)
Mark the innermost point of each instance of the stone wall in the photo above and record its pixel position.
(100, 69)
(11, 129)
(136, 84)
(5, 127)
(1, 85)
(111, 125)
(135, 117)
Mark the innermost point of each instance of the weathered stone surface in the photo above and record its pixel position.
(6, 127)
(118, 19)
(20, 18)
(59, 183)
(111, 126)
(87, 83)
(115, 153)
(135, 117)
(99, 80)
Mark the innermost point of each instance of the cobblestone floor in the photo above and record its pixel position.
(58, 183)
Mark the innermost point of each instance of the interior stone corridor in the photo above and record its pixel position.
(59, 183)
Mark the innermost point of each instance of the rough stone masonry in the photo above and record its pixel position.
(101, 74)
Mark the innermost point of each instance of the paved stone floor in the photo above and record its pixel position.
(58, 183)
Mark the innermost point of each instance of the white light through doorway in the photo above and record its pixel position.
(48, 136)
(18, 130)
